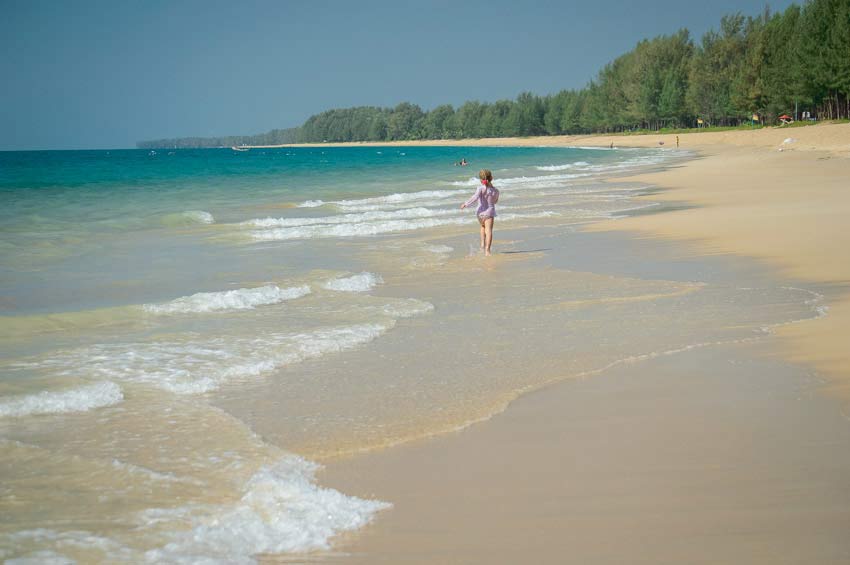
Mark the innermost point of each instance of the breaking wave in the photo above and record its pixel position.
(281, 510)
(79, 399)
(356, 283)
(239, 299)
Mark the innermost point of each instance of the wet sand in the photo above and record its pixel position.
(710, 457)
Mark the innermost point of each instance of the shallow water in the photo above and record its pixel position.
(181, 329)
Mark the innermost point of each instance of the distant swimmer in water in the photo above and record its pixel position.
(487, 196)
(462, 162)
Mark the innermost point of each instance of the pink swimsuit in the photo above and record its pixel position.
(487, 197)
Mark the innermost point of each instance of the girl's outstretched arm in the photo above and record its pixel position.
(471, 200)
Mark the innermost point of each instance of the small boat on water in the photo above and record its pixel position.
(239, 148)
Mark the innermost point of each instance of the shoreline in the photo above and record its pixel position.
(825, 137)
(459, 498)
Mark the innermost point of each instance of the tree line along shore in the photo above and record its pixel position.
(752, 70)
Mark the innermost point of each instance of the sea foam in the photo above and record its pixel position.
(79, 399)
(527, 182)
(356, 283)
(352, 230)
(110, 550)
(239, 299)
(394, 200)
(196, 364)
(281, 510)
(407, 213)
(409, 308)
(363, 229)
(564, 167)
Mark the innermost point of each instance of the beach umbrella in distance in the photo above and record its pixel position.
(784, 117)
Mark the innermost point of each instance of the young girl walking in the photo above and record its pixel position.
(487, 196)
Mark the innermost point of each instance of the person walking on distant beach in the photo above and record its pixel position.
(487, 196)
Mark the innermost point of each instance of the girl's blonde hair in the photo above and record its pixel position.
(485, 174)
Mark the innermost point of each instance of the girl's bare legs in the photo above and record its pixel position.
(487, 234)
(483, 233)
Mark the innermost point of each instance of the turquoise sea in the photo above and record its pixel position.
(183, 333)
(97, 218)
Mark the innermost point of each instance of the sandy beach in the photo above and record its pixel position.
(732, 453)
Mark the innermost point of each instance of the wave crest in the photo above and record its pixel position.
(80, 399)
(196, 366)
(564, 167)
(281, 510)
(356, 283)
(239, 299)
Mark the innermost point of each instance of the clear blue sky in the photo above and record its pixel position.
(105, 74)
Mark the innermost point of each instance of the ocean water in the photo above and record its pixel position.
(184, 333)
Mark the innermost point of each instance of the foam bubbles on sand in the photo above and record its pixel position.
(239, 299)
(79, 399)
(281, 510)
(356, 283)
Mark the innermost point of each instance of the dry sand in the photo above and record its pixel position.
(723, 455)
